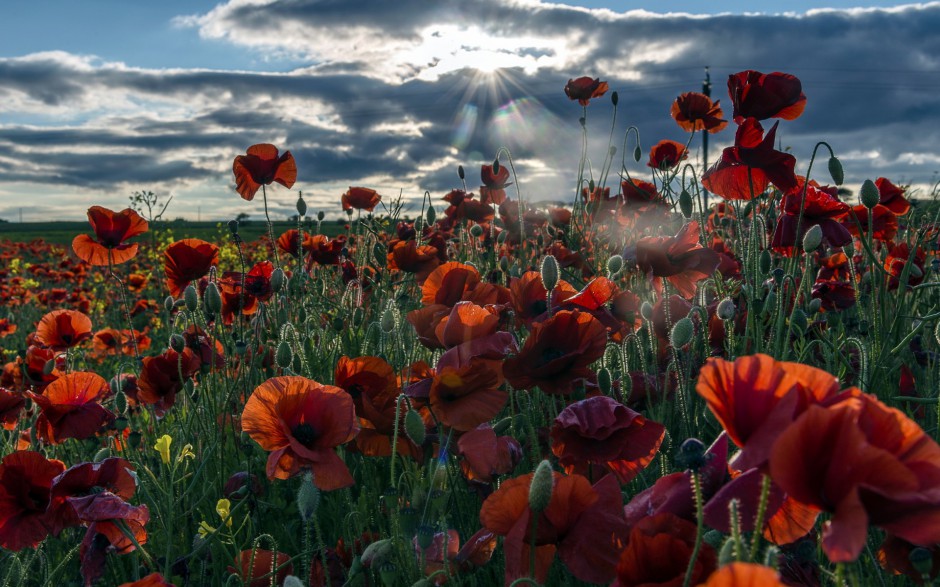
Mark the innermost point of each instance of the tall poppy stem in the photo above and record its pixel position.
(127, 312)
(700, 527)
(761, 514)
(272, 243)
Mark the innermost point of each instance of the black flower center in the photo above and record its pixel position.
(304, 433)
(550, 354)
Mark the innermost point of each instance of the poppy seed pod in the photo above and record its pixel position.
(308, 498)
(798, 320)
(301, 206)
(615, 98)
(812, 239)
(191, 297)
(169, 303)
(726, 309)
(320, 215)
(614, 265)
(685, 203)
(212, 298)
(549, 272)
(540, 490)
(765, 262)
(682, 332)
(922, 560)
(692, 454)
(869, 194)
(120, 402)
(284, 356)
(414, 427)
(233, 227)
(460, 172)
(835, 170)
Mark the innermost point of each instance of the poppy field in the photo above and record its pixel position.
(721, 376)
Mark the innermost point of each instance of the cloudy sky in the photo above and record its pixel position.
(103, 97)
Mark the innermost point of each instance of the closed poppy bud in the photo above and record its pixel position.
(389, 574)
(388, 320)
(549, 272)
(338, 324)
(102, 454)
(284, 355)
(496, 166)
(431, 215)
(460, 172)
(177, 343)
(922, 560)
(812, 239)
(604, 380)
(614, 265)
(320, 215)
(241, 347)
(233, 227)
(726, 554)
(637, 154)
(726, 309)
(379, 551)
(476, 231)
(814, 305)
(682, 332)
(685, 203)
(292, 581)
(692, 454)
(212, 298)
(765, 262)
(414, 427)
(308, 498)
(504, 263)
(869, 194)
(425, 536)
(540, 490)
(191, 297)
(120, 402)
(798, 320)
(615, 98)
(301, 206)
(169, 303)
(277, 280)
(835, 170)
(646, 310)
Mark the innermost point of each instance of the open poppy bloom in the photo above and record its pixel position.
(186, 261)
(449, 283)
(667, 154)
(822, 208)
(582, 524)
(407, 256)
(301, 422)
(465, 389)
(658, 553)
(601, 431)
(899, 256)
(693, 111)
(71, 407)
(254, 567)
(884, 222)
(262, 166)
(63, 329)
(11, 406)
(834, 294)
(585, 88)
(361, 199)
(111, 342)
(111, 230)
(866, 464)
(892, 197)
(557, 353)
(641, 198)
(466, 321)
(290, 242)
(25, 488)
(744, 575)
(745, 169)
(486, 455)
(530, 298)
(151, 580)
(160, 380)
(680, 259)
(765, 95)
(326, 251)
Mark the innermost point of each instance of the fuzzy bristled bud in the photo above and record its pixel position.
(292, 581)
(212, 298)
(191, 297)
(169, 303)
(460, 172)
(120, 402)
(692, 454)
(726, 309)
(308, 498)
(389, 319)
(540, 491)
(233, 227)
(637, 154)
(869, 194)
(835, 170)
(284, 355)
(812, 239)
(320, 216)
(414, 427)
(614, 98)
(764, 262)
(549, 272)
(646, 311)
(682, 332)
(614, 265)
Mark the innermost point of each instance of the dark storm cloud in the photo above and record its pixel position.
(378, 105)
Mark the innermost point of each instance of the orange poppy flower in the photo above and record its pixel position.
(667, 154)
(658, 553)
(6, 327)
(112, 341)
(70, 407)
(866, 464)
(584, 525)
(326, 251)
(898, 257)
(186, 261)
(585, 88)
(11, 405)
(744, 575)
(425, 321)
(290, 242)
(463, 396)
(25, 487)
(262, 166)
(694, 111)
(361, 199)
(746, 168)
(680, 259)
(602, 431)
(407, 256)
(755, 398)
(765, 95)
(301, 422)
(449, 283)
(892, 196)
(63, 329)
(151, 580)
(530, 298)
(466, 321)
(254, 567)
(160, 378)
(557, 353)
(111, 230)
(136, 282)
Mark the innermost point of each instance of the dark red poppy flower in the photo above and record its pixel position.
(585, 88)
(262, 166)
(187, 261)
(530, 298)
(111, 230)
(560, 217)
(822, 208)
(582, 524)
(866, 464)
(63, 329)
(326, 251)
(301, 422)
(899, 256)
(765, 95)
(494, 180)
(486, 455)
(111, 342)
(694, 111)
(425, 321)
(892, 196)
(151, 580)
(465, 392)
(409, 257)
(11, 405)
(6, 327)
(834, 295)
(658, 553)
(641, 198)
(884, 222)
(601, 431)
(449, 283)
(25, 488)
(361, 199)
(744, 575)
(290, 243)
(254, 567)
(667, 154)
(160, 377)
(111, 477)
(745, 169)
(680, 259)
(71, 407)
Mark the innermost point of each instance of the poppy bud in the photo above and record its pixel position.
(338, 324)
(102, 454)
(504, 263)
(714, 538)
(916, 272)
(212, 298)
(765, 262)
(726, 555)
(169, 303)
(388, 572)
(692, 454)
(771, 556)
(48, 367)
(414, 427)
(685, 203)
(496, 166)
(431, 215)
(134, 438)
(233, 227)
(726, 309)
(646, 310)
(277, 280)
(425, 536)
(614, 265)
(120, 402)
(476, 231)
(798, 320)
(320, 215)
(814, 305)
(540, 490)
(591, 186)
(835, 170)
(284, 355)
(460, 172)
(357, 315)
(682, 332)
(549, 272)
(637, 154)
(241, 347)
(869, 194)
(389, 319)
(922, 560)
(301, 206)
(379, 551)
(604, 380)
(177, 343)
(191, 297)
(308, 498)
(812, 239)
(408, 516)
(615, 98)
(292, 581)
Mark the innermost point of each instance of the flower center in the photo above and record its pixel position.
(304, 433)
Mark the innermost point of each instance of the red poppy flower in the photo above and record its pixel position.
(899, 256)
(694, 111)
(407, 256)
(584, 525)
(495, 181)
(585, 88)
(289, 243)
(25, 488)
(834, 294)
(866, 464)
(301, 422)
(449, 283)
(658, 553)
(63, 329)
(884, 222)
(361, 199)
(186, 261)
(680, 260)
(667, 154)
(111, 341)
(465, 390)
(486, 455)
(151, 580)
(744, 170)
(262, 166)
(557, 353)
(11, 405)
(110, 477)
(111, 230)
(765, 95)
(254, 567)
(602, 431)
(425, 321)
(530, 298)
(560, 217)
(71, 407)
(160, 378)
(822, 208)
(326, 251)
(894, 555)
(744, 575)
(892, 197)
(466, 321)
(6, 327)
(640, 198)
